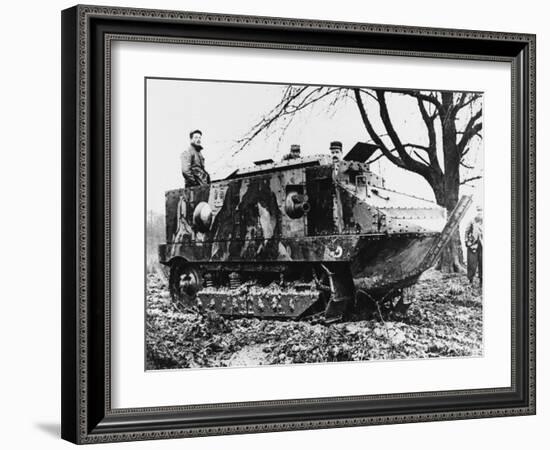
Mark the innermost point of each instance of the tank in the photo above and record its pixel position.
(305, 237)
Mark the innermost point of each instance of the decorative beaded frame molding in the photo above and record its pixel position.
(87, 416)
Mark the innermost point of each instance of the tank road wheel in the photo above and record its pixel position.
(185, 282)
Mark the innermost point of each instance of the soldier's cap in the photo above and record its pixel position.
(193, 132)
(336, 145)
(294, 148)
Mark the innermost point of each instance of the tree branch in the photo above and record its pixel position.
(421, 158)
(381, 155)
(290, 104)
(370, 94)
(467, 180)
(472, 128)
(427, 98)
(419, 147)
(411, 164)
(372, 133)
(432, 142)
(462, 103)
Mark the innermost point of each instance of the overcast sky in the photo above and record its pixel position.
(225, 111)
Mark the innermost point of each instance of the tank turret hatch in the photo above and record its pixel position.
(361, 152)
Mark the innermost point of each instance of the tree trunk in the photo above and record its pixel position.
(452, 258)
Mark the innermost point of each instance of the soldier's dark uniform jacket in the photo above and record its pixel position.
(474, 244)
(192, 167)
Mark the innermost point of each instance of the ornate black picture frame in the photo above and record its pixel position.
(87, 34)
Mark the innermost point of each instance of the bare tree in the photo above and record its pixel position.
(441, 112)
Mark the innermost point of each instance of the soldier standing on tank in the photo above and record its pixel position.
(192, 162)
(336, 151)
(474, 244)
(294, 153)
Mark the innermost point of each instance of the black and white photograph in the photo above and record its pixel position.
(290, 223)
(275, 225)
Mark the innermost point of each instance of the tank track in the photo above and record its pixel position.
(320, 293)
(276, 300)
(292, 294)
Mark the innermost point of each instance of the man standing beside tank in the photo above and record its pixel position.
(192, 162)
(474, 244)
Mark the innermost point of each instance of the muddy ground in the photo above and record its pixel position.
(445, 320)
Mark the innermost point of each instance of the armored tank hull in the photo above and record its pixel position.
(300, 238)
